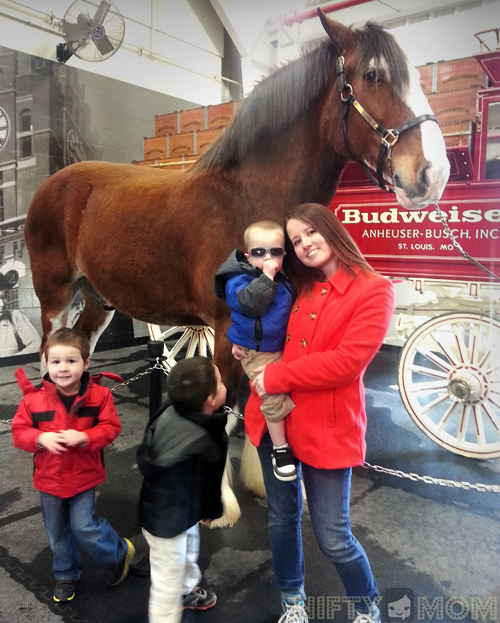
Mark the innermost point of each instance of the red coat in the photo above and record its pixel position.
(331, 338)
(41, 410)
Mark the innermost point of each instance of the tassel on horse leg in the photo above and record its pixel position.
(229, 502)
(250, 470)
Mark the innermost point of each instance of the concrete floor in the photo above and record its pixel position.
(442, 543)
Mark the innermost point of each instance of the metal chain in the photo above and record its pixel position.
(444, 221)
(429, 480)
(157, 366)
(385, 470)
(229, 411)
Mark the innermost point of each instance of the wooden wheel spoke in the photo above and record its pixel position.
(428, 354)
(427, 371)
(493, 418)
(437, 401)
(429, 386)
(462, 349)
(447, 351)
(481, 438)
(180, 344)
(463, 422)
(195, 340)
(442, 422)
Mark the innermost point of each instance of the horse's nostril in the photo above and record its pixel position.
(397, 181)
(423, 180)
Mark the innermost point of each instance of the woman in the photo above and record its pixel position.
(337, 324)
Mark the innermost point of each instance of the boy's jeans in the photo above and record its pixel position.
(328, 500)
(70, 522)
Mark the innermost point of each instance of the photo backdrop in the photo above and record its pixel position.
(52, 115)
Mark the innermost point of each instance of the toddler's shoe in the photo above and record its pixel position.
(64, 590)
(199, 599)
(283, 465)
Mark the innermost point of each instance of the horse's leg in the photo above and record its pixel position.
(55, 301)
(94, 318)
(231, 372)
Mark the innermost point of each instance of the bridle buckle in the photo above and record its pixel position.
(391, 135)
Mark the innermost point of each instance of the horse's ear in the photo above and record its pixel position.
(337, 32)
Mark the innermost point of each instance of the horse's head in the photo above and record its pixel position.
(375, 80)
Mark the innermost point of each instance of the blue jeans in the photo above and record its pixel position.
(328, 492)
(70, 522)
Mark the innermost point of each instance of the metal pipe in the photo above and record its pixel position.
(296, 16)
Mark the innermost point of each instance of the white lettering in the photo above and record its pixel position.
(424, 608)
(434, 217)
(471, 216)
(488, 612)
(492, 215)
(413, 217)
(463, 608)
(390, 217)
(351, 216)
(453, 216)
(374, 218)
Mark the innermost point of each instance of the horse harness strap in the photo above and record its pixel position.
(388, 137)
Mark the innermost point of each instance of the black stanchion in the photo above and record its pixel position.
(155, 355)
(140, 562)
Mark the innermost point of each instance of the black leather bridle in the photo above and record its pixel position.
(388, 137)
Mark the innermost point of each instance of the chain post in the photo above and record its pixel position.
(155, 356)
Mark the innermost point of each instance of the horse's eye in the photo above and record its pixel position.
(372, 76)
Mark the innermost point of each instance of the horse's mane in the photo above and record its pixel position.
(280, 98)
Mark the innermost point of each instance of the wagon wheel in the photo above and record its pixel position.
(196, 341)
(449, 380)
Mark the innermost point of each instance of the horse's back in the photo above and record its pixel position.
(59, 204)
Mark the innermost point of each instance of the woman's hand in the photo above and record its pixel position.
(258, 382)
(239, 352)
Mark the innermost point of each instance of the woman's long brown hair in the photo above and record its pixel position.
(324, 221)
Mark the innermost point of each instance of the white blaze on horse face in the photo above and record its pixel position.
(433, 147)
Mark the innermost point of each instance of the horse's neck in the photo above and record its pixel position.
(298, 161)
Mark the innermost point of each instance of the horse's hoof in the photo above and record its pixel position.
(226, 521)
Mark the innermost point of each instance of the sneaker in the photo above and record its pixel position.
(199, 599)
(122, 570)
(64, 590)
(294, 614)
(283, 465)
(372, 616)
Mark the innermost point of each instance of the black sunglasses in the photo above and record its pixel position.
(261, 251)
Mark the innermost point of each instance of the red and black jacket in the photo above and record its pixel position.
(41, 410)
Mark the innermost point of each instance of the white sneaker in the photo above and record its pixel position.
(373, 616)
(294, 614)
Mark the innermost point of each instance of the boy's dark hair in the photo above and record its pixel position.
(68, 337)
(190, 383)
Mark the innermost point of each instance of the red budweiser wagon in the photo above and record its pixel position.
(447, 316)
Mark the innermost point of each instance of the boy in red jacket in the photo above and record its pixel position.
(67, 424)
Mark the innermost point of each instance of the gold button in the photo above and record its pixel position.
(324, 291)
(287, 339)
(295, 309)
(304, 343)
(313, 315)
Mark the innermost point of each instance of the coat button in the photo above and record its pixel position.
(287, 339)
(295, 309)
(304, 343)
(324, 291)
(313, 315)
